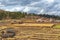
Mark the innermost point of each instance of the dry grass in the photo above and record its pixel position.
(33, 25)
(32, 31)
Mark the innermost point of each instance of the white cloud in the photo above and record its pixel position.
(34, 3)
(50, 1)
(1, 5)
(36, 6)
(26, 9)
(15, 8)
(41, 11)
(18, 8)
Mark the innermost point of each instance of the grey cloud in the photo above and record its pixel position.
(34, 6)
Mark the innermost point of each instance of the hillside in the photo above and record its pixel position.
(28, 29)
(19, 15)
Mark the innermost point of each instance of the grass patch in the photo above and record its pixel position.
(57, 26)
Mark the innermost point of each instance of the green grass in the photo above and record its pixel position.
(57, 26)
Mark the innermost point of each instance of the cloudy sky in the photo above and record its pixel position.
(32, 6)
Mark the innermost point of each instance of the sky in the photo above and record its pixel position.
(51, 7)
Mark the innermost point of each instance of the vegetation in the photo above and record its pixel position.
(13, 15)
(18, 15)
(50, 16)
(57, 26)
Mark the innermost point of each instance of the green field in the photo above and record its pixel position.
(57, 26)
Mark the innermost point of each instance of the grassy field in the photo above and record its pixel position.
(57, 26)
(32, 24)
(33, 31)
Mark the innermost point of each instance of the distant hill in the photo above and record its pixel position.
(18, 15)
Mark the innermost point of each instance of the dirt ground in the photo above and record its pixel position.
(35, 33)
(32, 33)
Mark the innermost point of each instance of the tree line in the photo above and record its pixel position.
(13, 15)
(18, 15)
(50, 16)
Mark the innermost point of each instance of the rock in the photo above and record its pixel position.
(7, 33)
